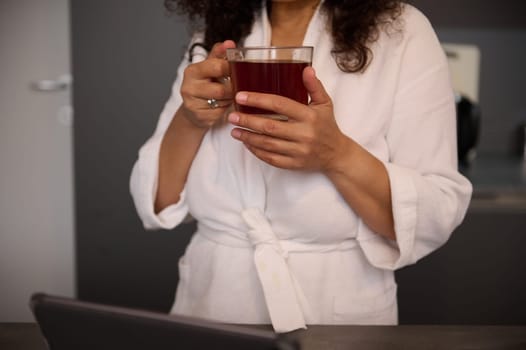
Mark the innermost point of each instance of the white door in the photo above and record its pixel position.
(36, 175)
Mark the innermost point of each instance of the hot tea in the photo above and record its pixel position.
(272, 70)
(279, 77)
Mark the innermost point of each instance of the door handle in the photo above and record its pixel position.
(61, 83)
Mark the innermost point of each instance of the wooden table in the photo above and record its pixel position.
(26, 336)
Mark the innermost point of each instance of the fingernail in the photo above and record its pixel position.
(236, 133)
(233, 118)
(241, 97)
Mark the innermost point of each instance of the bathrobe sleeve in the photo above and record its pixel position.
(429, 196)
(143, 181)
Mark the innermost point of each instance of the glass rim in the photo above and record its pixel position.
(246, 48)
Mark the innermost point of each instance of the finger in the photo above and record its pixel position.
(264, 125)
(314, 87)
(201, 114)
(202, 104)
(206, 90)
(219, 107)
(274, 159)
(212, 104)
(215, 66)
(208, 104)
(265, 142)
(278, 104)
(219, 49)
(211, 68)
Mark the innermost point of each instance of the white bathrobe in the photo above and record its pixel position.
(283, 247)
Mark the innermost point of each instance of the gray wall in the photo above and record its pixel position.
(502, 82)
(499, 30)
(125, 55)
(474, 13)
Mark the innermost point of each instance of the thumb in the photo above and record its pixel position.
(219, 49)
(314, 87)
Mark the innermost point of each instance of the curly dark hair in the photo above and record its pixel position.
(354, 24)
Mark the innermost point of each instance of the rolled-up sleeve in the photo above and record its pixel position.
(145, 172)
(429, 196)
(143, 180)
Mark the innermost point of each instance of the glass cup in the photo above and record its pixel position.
(272, 70)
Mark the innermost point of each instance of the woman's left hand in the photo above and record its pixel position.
(309, 140)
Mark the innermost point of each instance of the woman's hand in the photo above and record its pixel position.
(206, 81)
(309, 140)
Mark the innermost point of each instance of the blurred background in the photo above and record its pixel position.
(82, 85)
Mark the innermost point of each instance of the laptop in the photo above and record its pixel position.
(73, 324)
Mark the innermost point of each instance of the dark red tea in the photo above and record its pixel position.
(274, 77)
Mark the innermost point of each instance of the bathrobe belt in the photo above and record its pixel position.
(286, 303)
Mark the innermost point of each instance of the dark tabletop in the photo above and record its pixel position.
(26, 336)
(21, 336)
(414, 337)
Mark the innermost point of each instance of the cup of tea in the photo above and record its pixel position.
(272, 70)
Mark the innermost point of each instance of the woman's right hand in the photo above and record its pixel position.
(205, 81)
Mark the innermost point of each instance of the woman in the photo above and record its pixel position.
(303, 222)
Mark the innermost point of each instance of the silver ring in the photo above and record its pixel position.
(212, 103)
